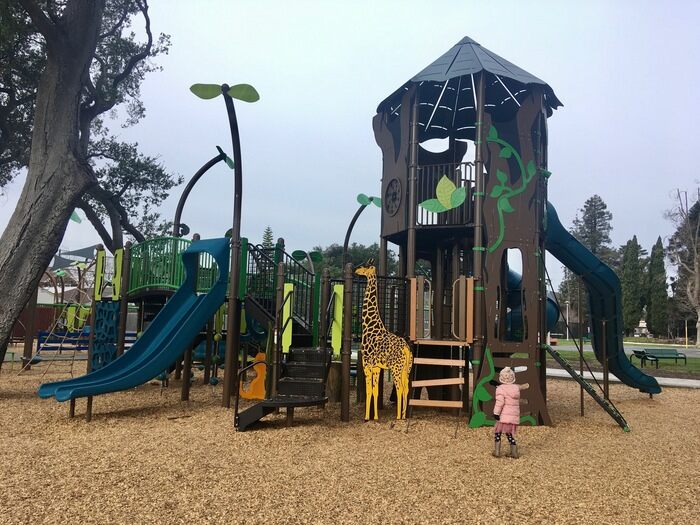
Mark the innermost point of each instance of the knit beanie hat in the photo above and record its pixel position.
(507, 376)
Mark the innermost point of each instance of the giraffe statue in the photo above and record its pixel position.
(381, 349)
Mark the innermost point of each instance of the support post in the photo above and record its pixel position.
(71, 409)
(325, 300)
(479, 248)
(186, 375)
(207, 351)
(346, 350)
(606, 372)
(124, 299)
(412, 190)
(88, 410)
(277, 348)
(580, 337)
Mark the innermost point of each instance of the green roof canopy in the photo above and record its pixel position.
(447, 91)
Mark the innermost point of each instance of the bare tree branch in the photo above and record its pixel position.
(97, 224)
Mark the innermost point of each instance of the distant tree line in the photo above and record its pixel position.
(643, 276)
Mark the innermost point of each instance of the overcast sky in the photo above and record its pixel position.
(626, 71)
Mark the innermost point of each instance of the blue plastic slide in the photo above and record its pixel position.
(605, 302)
(166, 338)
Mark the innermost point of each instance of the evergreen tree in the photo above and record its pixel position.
(593, 229)
(268, 240)
(657, 292)
(631, 278)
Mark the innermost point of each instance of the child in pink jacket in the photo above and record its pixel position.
(507, 411)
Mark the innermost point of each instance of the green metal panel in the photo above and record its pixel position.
(337, 321)
(99, 274)
(156, 263)
(315, 309)
(243, 270)
(286, 318)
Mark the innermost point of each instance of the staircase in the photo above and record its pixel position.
(606, 405)
(303, 383)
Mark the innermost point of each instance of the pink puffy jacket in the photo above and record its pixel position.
(508, 403)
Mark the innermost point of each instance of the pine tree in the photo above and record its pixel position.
(593, 229)
(631, 278)
(268, 240)
(657, 292)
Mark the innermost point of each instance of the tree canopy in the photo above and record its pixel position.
(632, 281)
(359, 253)
(657, 292)
(130, 186)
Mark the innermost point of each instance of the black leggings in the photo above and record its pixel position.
(511, 439)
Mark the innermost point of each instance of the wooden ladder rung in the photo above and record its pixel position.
(435, 403)
(438, 362)
(438, 382)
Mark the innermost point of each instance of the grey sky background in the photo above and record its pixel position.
(626, 71)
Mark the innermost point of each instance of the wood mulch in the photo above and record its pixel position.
(148, 458)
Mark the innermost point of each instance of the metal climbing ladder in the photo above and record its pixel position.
(604, 403)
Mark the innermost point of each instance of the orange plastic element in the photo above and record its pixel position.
(255, 388)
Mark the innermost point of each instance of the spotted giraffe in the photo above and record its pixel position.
(382, 349)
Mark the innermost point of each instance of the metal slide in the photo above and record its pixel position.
(167, 337)
(605, 302)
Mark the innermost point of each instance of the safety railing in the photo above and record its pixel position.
(157, 263)
(462, 177)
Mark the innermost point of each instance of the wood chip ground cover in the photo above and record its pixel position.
(141, 461)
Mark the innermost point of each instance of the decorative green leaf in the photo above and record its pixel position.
(458, 197)
(504, 204)
(528, 420)
(493, 133)
(478, 419)
(206, 91)
(363, 199)
(60, 273)
(444, 191)
(316, 257)
(377, 201)
(244, 92)
(506, 152)
(496, 191)
(75, 217)
(482, 394)
(227, 159)
(433, 205)
(502, 177)
(531, 169)
(299, 255)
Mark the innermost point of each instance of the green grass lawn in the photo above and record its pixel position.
(693, 366)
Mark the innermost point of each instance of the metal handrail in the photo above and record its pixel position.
(238, 390)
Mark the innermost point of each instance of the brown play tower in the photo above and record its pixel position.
(463, 219)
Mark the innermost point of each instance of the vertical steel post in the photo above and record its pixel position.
(346, 349)
(580, 337)
(233, 318)
(479, 248)
(277, 348)
(412, 189)
(207, 352)
(606, 372)
(124, 299)
(325, 300)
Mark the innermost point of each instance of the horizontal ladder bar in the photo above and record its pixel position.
(440, 342)
(435, 403)
(438, 382)
(438, 362)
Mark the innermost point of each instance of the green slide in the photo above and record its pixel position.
(167, 337)
(605, 301)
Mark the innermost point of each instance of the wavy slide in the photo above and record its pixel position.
(605, 300)
(166, 338)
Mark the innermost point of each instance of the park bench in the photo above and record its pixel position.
(653, 355)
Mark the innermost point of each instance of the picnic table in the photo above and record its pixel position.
(653, 355)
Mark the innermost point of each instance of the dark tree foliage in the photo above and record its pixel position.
(130, 186)
(657, 292)
(632, 281)
(593, 226)
(359, 253)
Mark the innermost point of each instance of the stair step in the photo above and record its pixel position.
(251, 416)
(305, 370)
(438, 382)
(440, 342)
(435, 403)
(438, 362)
(301, 386)
(307, 355)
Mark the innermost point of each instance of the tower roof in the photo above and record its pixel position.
(447, 89)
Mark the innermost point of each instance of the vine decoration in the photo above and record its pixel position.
(502, 191)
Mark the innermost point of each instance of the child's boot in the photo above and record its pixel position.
(497, 449)
(514, 452)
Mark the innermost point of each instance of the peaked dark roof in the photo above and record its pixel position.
(504, 84)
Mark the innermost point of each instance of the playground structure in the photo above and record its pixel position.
(476, 214)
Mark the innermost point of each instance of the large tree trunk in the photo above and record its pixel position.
(57, 175)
